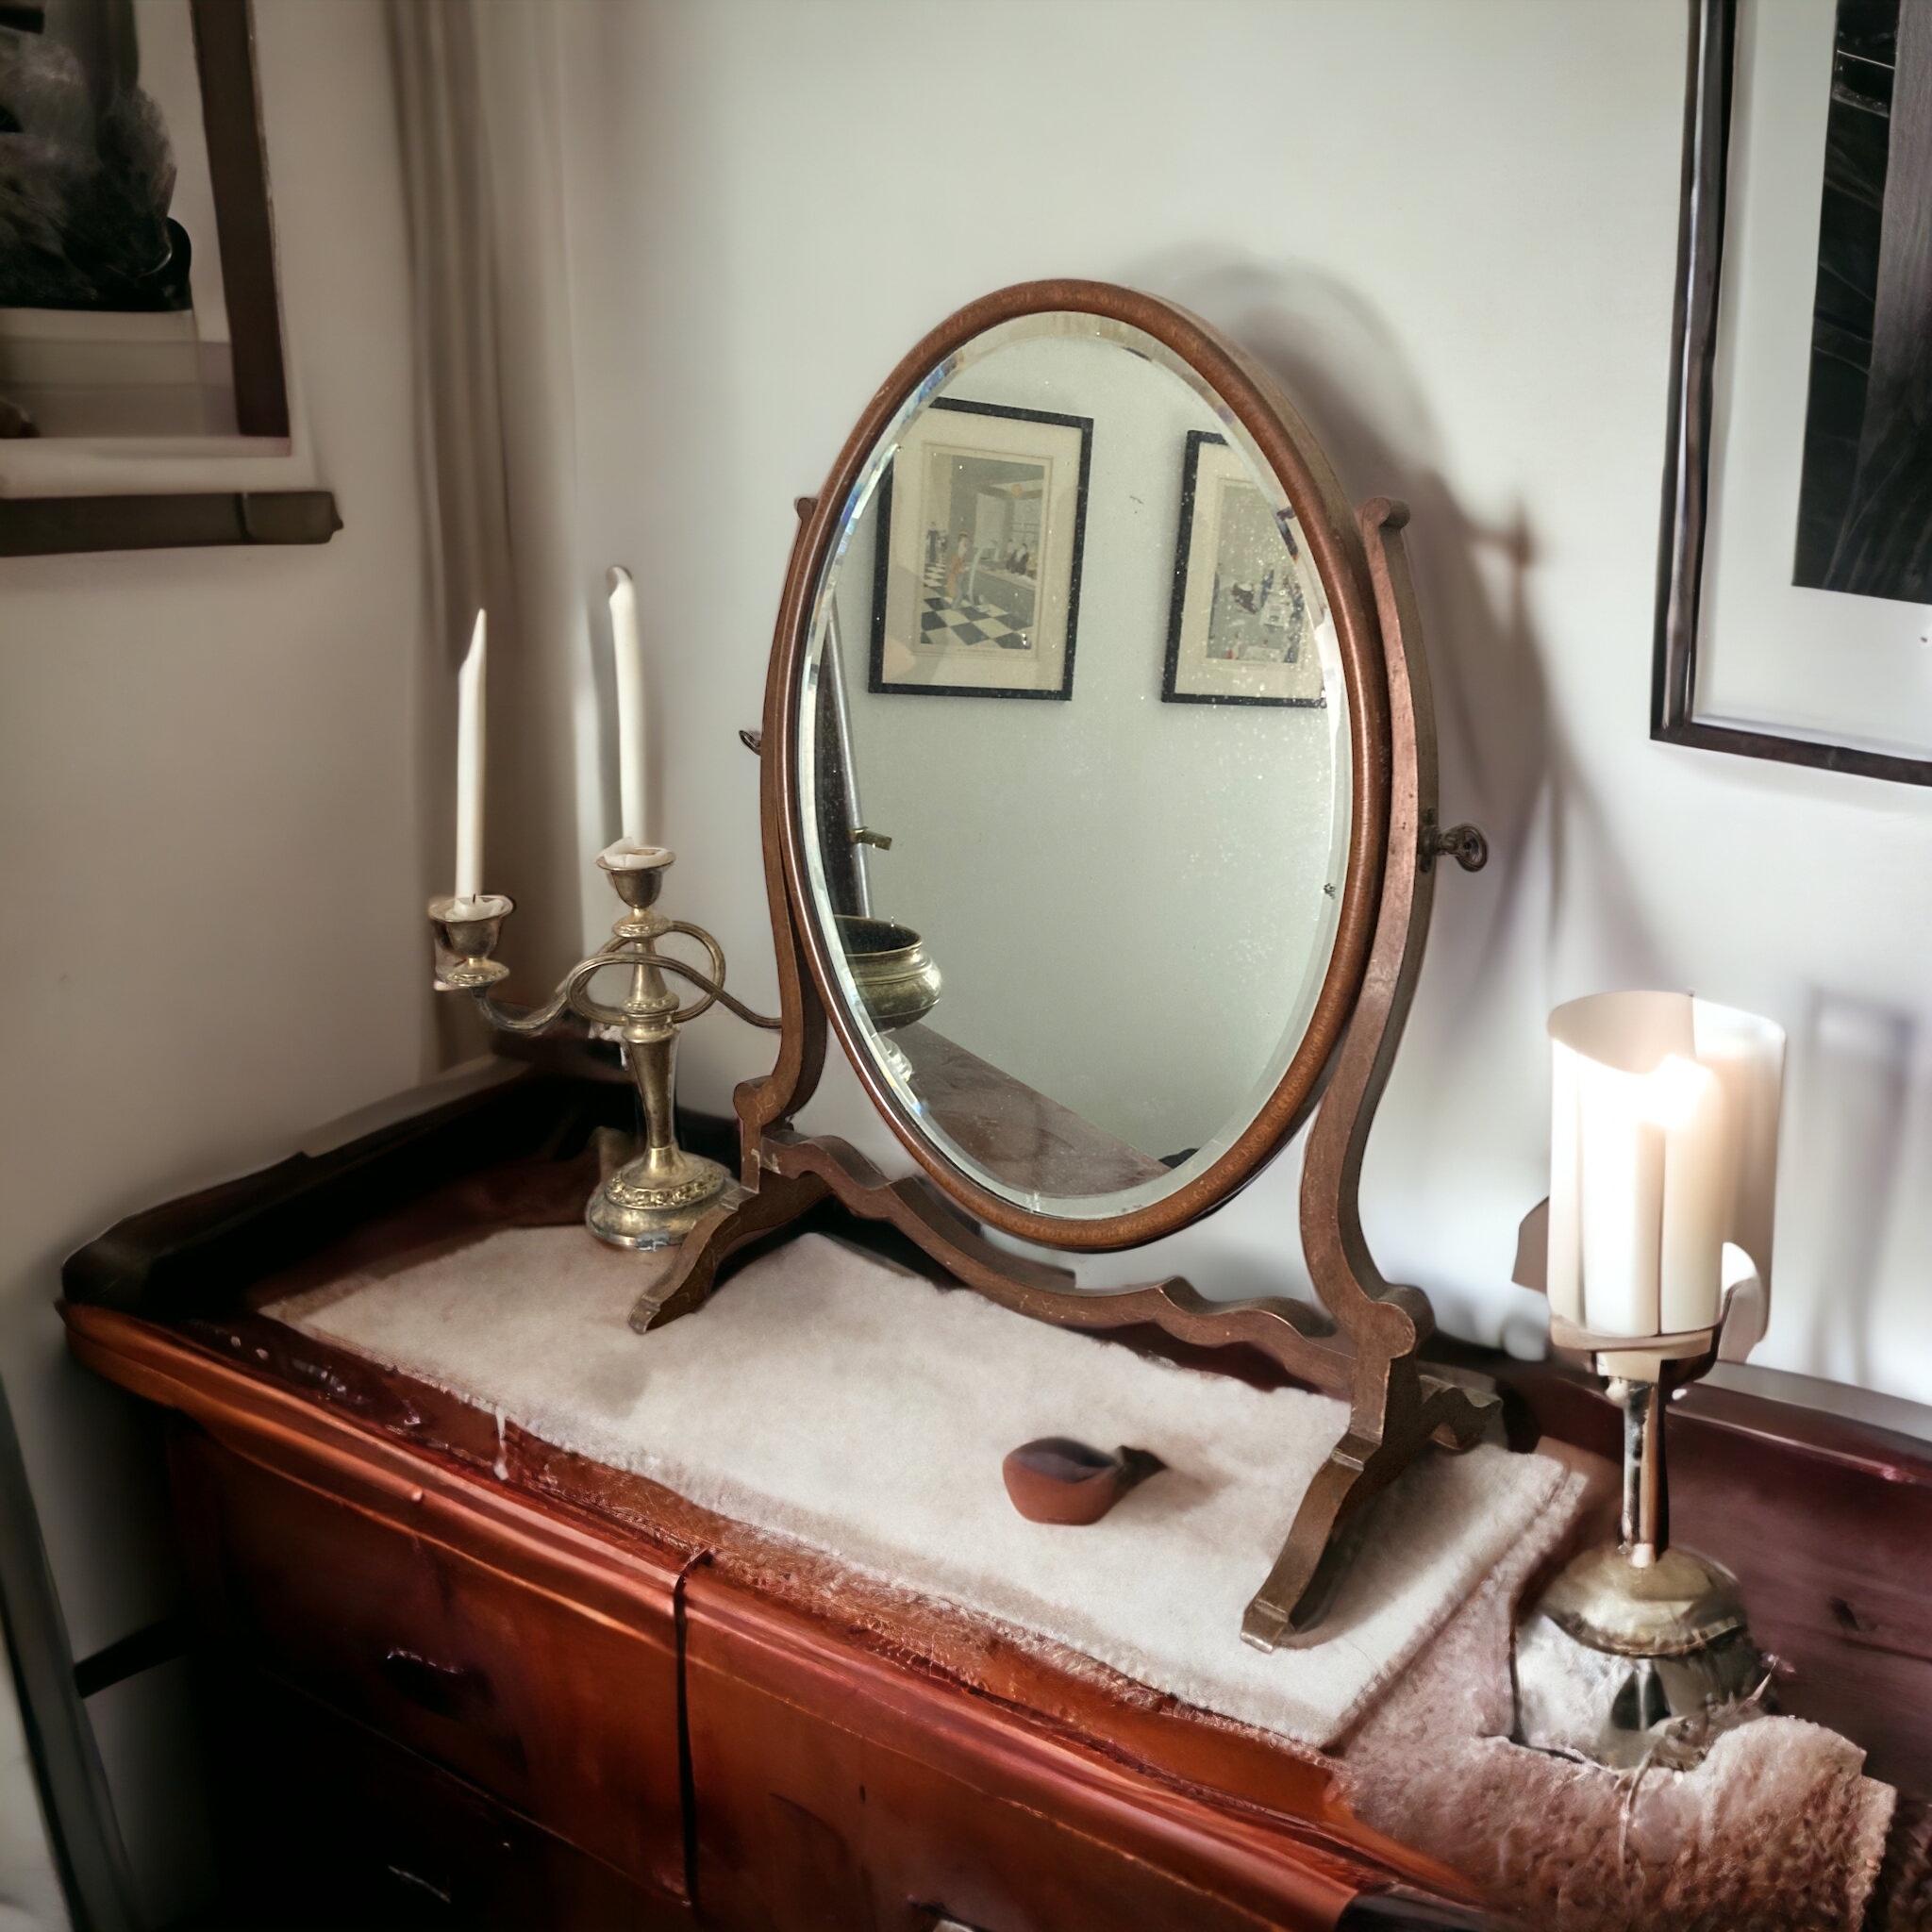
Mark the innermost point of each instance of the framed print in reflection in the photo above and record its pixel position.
(982, 516)
(1239, 629)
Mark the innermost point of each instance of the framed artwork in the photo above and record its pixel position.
(143, 391)
(1795, 563)
(1239, 629)
(982, 516)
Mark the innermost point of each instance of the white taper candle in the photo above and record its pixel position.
(470, 690)
(629, 658)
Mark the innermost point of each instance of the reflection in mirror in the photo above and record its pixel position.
(1075, 767)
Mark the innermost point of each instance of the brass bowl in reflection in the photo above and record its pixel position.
(890, 965)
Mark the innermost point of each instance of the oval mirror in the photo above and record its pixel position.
(1086, 796)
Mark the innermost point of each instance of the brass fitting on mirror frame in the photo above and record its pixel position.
(654, 1201)
(1465, 843)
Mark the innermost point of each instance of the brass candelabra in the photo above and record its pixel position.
(654, 1201)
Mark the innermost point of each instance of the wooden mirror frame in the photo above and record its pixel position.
(1328, 528)
(1367, 1352)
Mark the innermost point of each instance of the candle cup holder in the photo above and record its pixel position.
(655, 1200)
(466, 931)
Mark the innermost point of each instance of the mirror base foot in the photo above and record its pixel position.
(1334, 1515)
(727, 1225)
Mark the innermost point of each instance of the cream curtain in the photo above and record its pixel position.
(483, 135)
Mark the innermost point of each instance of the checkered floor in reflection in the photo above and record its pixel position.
(943, 622)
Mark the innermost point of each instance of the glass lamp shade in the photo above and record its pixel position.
(1663, 1160)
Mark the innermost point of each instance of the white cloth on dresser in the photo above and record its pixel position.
(829, 1397)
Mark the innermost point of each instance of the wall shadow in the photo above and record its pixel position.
(1846, 1134)
(1492, 969)
(1502, 759)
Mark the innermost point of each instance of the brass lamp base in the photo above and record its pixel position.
(1662, 1646)
(1638, 1651)
(1676, 1605)
(653, 1202)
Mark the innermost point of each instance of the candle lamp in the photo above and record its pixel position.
(1655, 1250)
(655, 1200)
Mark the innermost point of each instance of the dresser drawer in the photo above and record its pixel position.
(564, 1714)
(353, 1830)
(835, 1793)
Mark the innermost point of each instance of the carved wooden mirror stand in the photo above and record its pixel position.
(1337, 1050)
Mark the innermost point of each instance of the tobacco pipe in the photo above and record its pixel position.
(1056, 1479)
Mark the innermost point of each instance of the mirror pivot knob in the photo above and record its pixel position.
(1465, 843)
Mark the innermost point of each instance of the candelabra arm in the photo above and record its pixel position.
(567, 996)
(730, 1001)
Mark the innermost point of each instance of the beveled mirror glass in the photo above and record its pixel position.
(1075, 769)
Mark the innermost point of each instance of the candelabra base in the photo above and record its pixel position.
(655, 1200)
(1626, 1661)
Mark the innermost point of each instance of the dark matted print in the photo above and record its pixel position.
(1818, 410)
(1865, 497)
(1241, 627)
(982, 518)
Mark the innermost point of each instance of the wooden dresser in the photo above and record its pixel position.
(452, 1675)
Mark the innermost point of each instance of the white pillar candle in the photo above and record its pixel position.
(1747, 1054)
(1621, 1157)
(469, 691)
(629, 658)
(1687, 1103)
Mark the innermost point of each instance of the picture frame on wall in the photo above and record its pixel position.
(982, 520)
(1242, 626)
(1794, 575)
(145, 391)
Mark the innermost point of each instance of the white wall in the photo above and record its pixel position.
(212, 844)
(1452, 230)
